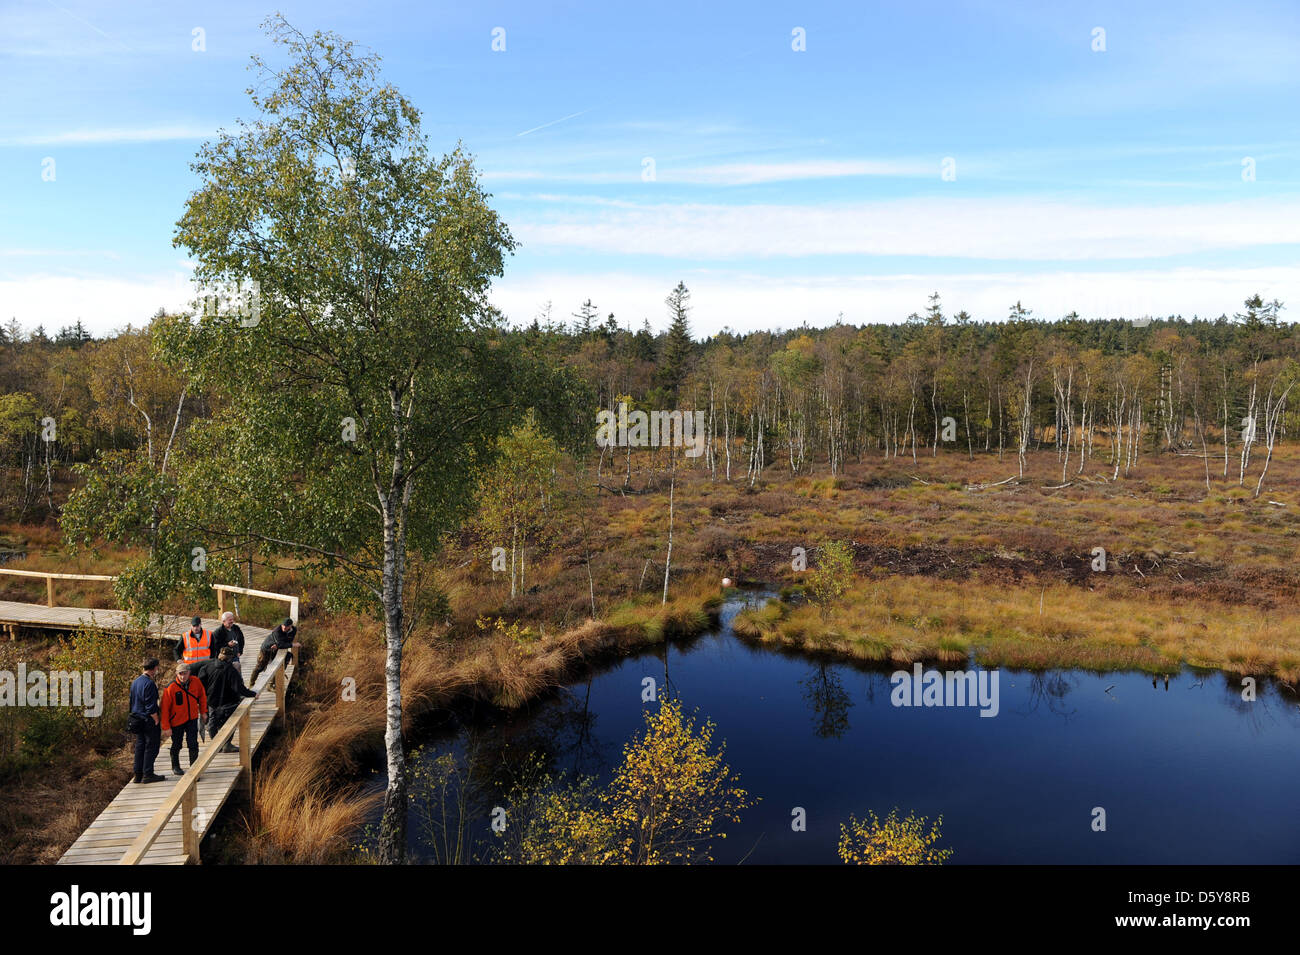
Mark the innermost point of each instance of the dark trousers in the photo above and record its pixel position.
(218, 718)
(147, 743)
(189, 731)
(264, 659)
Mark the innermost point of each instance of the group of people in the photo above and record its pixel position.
(207, 688)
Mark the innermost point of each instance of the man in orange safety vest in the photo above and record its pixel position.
(195, 643)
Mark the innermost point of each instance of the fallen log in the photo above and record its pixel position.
(981, 487)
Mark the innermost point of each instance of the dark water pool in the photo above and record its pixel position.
(1186, 773)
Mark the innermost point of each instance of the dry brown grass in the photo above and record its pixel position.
(43, 813)
(1204, 578)
(904, 619)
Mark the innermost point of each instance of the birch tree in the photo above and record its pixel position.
(373, 381)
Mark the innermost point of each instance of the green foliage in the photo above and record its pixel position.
(678, 346)
(517, 494)
(831, 577)
(19, 419)
(115, 654)
(375, 376)
(33, 735)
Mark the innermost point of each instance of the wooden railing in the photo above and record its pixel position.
(51, 578)
(223, 589)
(184, 796)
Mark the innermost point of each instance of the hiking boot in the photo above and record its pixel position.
(135, 778)
(153, 778)
(230, 748)
(176, 766)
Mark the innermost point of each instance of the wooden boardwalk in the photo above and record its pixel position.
(36, 617)
(143, 824)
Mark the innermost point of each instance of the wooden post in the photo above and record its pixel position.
(246, 749)
(221, 602)
(49, 591)
(279, 692)
(189, 838)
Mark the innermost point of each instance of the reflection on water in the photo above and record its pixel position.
(824, 693)
(1187, 771)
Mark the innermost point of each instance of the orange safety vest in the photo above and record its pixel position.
(196, 648)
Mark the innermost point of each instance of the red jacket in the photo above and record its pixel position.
(180, 704)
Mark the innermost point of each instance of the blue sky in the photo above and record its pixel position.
(788, 186)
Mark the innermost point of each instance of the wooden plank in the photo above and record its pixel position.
(166, 625)
(158, 814)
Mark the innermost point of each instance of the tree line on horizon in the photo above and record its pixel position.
(801, 399)
(810, 398)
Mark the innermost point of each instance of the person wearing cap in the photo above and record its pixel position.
(283, 637)
(226, 690)
(228, 635)
(195, 643)
(184, 703)
(142, 721)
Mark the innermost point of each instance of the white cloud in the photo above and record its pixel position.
(744, 174)
(110, 135)
(747, 302)
(741, 300)
(102, 303)
(730, 174)
(57, 253)
(1012, 229)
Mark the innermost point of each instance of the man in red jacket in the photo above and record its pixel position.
(184, 703)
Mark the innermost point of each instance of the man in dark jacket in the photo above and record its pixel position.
(143, 722)
(203, 670)
(225, 691)
(228, 635)
(283, 637)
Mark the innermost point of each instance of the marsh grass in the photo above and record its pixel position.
(940, 572)
(1003, 626)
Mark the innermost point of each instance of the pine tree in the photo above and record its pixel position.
(644, 349)
(678, 346)
(586, 317)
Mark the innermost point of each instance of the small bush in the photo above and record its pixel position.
(833, 572)
(893, 841)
